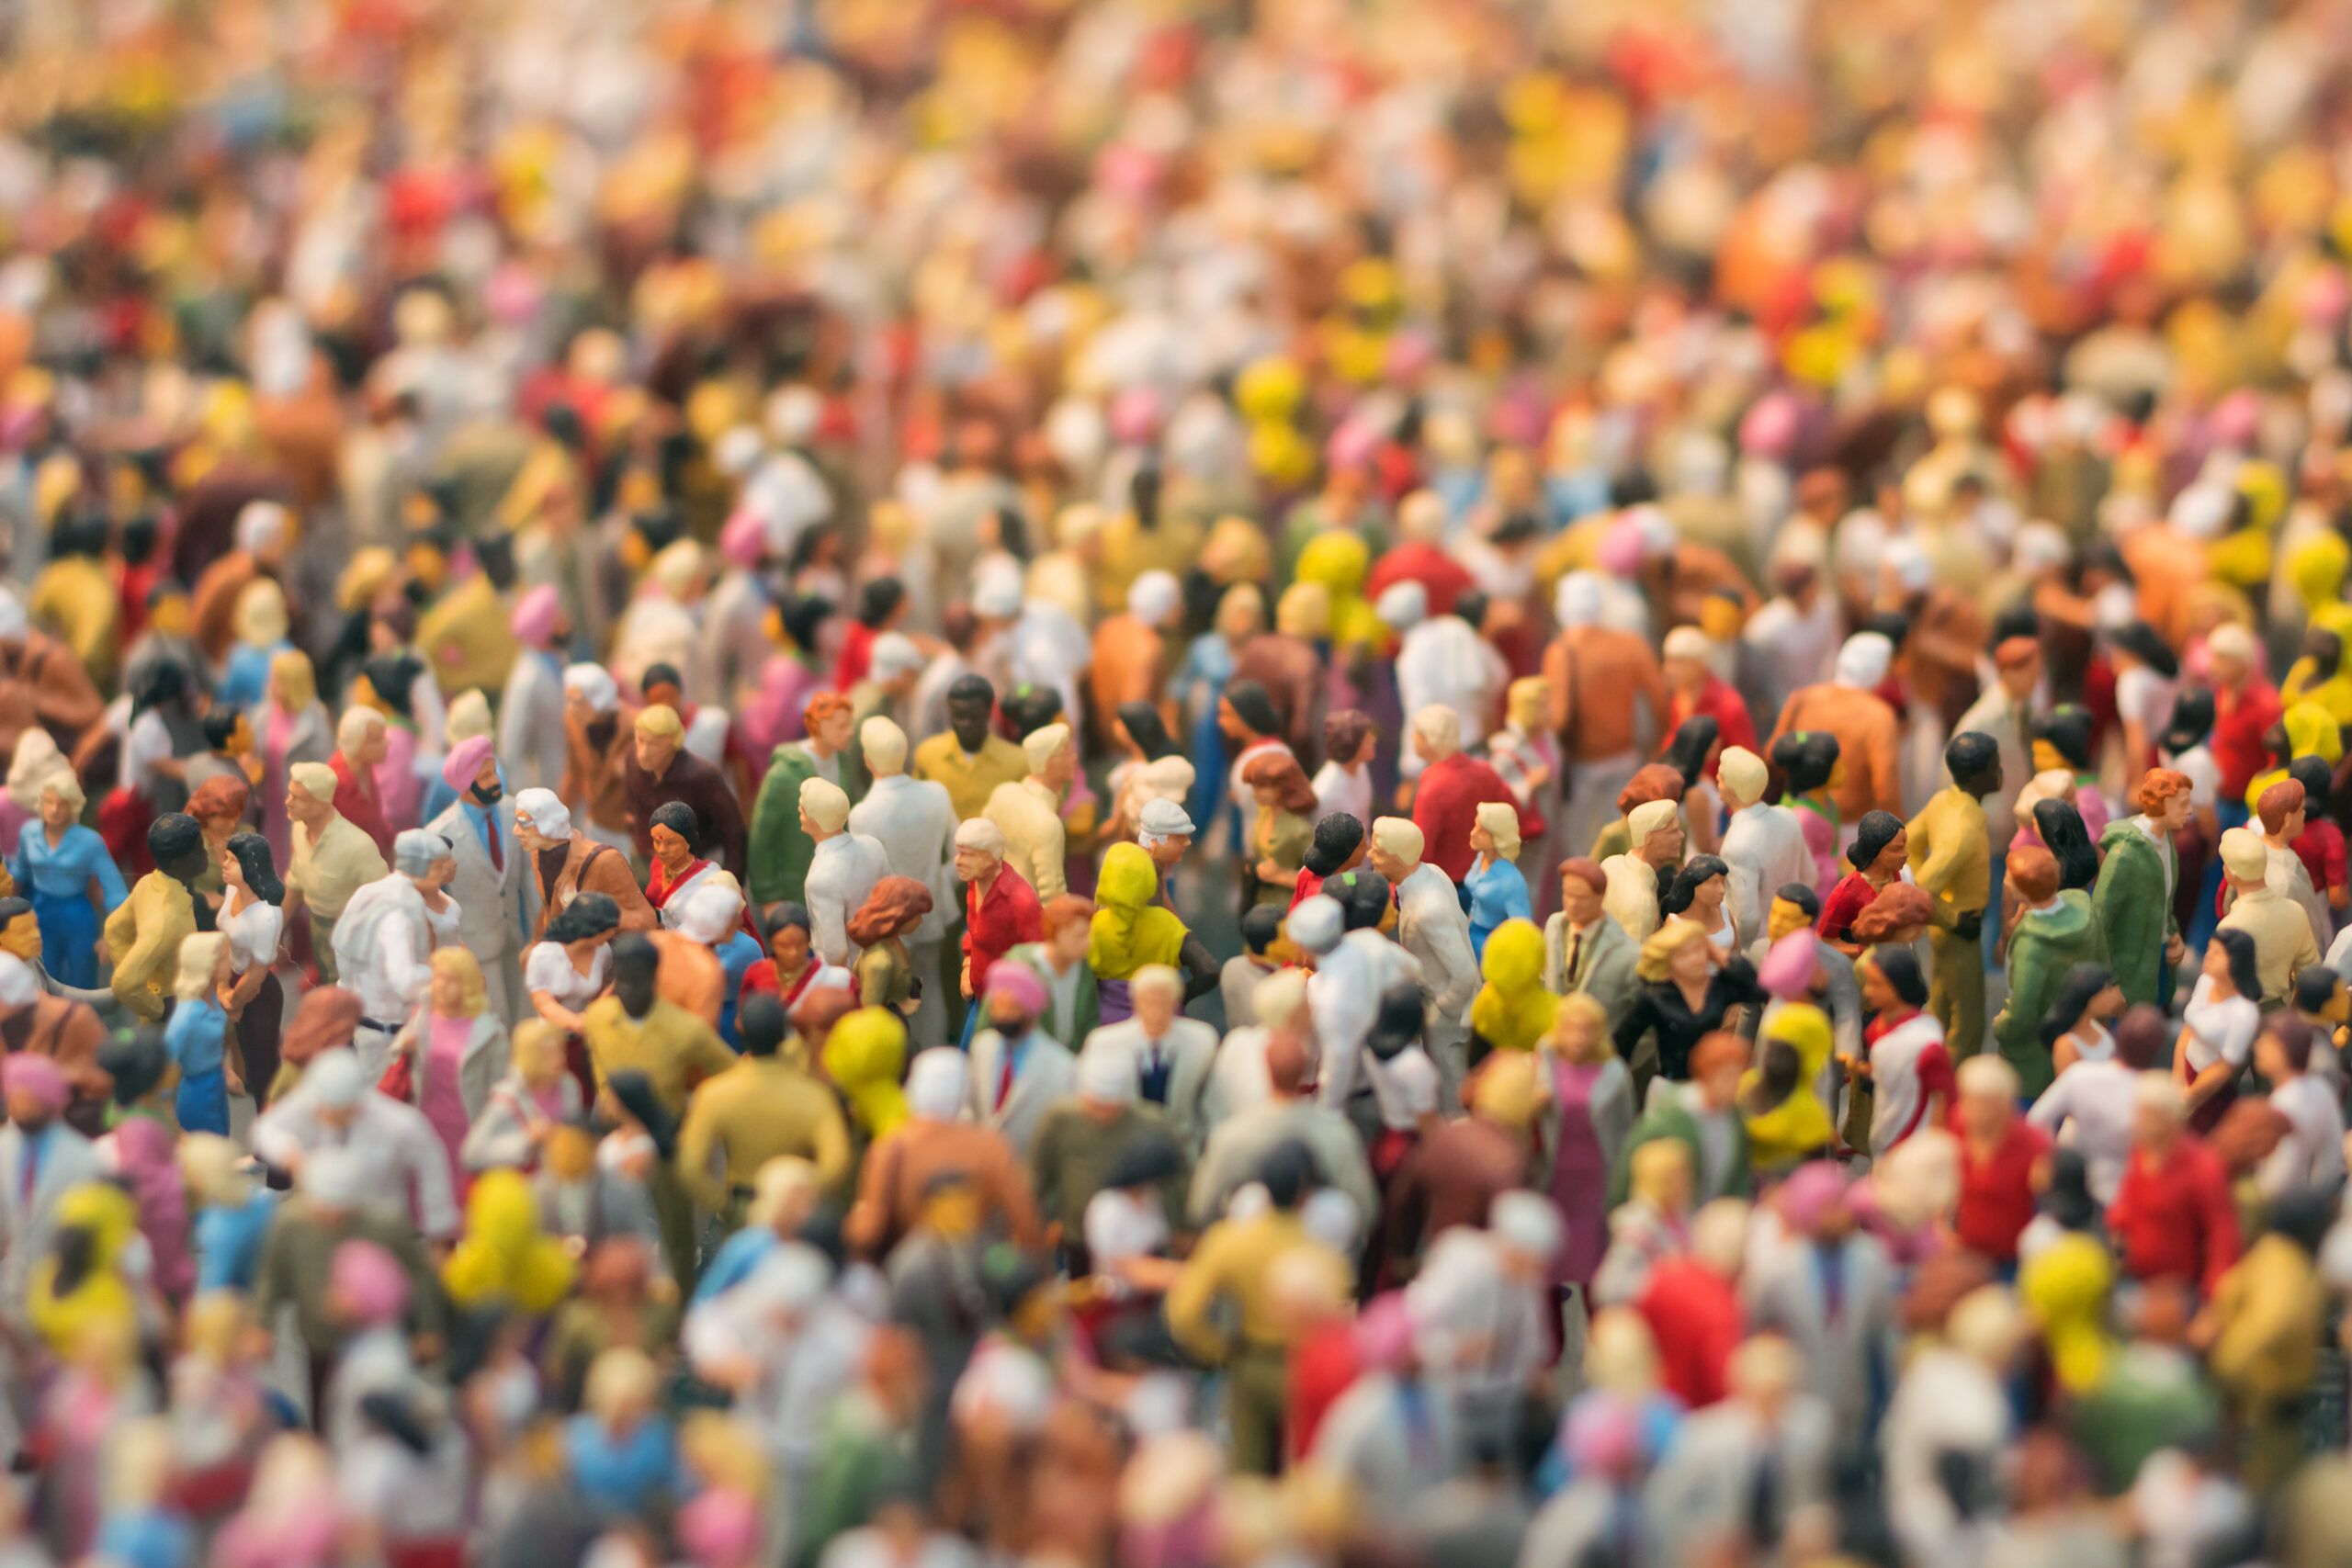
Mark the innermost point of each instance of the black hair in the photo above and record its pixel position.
(1013, 533)
(1401, 1016)
(2061, 830)
(1148, 732)
(878, 600)
(1892, 624)
(1970, 752)
(1336, 837)
(12, 908)
(659, 674)
(760, 1021)
(635, 1091)
(136, 1061)
(2191, 721)
(2314, 987)
(2143, 642)
(1029, 708)
(802, 613)
(2246, 976)
(972, 689)
(1806, 758)
(259, 866)
(166, 683)
(2067, 1200)
(2318, 780)
(221, 726)
(2076, 990)
(394, 676)
(1803, 896)
(1633, 487)
(1777, 1069)
(1687, 752)
(1695, 873)
(680, 818)
(1470, 606)
(2069, 730)
(2304, 1217)
(1289, 1173)
(1515, 529)
(173, 837)
(495, 552)
(778, 916)
(1899, 967)
(588, 914)
(659, 527)
(2015, 621)
(1254, 706)
(1261, 924)
(85, 536)
(1363, 896)
(1871, 835)
(631, 949)
(138, 536)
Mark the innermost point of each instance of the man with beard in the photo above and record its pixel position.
(491, 885)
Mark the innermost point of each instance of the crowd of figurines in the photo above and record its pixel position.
(882, 783)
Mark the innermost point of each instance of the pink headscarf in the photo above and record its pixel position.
(1019, 982)
(535, 615)
(30, 1073)
(369, 1282)
(1788, 969)
(1810, 1192)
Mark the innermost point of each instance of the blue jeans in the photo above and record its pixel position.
(2228, 814)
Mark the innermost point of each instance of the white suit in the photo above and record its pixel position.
(494, 904)
(914, 822)
(1765, 848)
(1432, 927)
(530, 723)
(841, 873)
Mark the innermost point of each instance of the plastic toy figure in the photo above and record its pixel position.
(760, 1109)
(2280, 929)
(1074, 1005)
(2054, 931)
(598, 743)
(1131, 658)
(1849, 708)
(1585, 951)
(1684, 996)
(1808, 761)
(1017, 1073)
(533, 746)
(780, 850)
(1696, 690)
(1432, 926)
(144, 933)
(1877, 856)
(1496, 890)
(198, 1036)
(1764, 846)
(1597, 677)
(2134, 898)
(40, 683)
(970, 759)
(1633, 877)
(1285, 834)
(1028, 811)
(2171, 1218)
(661, 770)
(1512, 1011)
(1949, 855)
(1441, 661)
(490, 877)
(1131, 928)
(57, 861)
(884, 972)
(65, 1031)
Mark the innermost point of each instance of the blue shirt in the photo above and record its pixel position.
(229, 1243)
(735, 1258)
(246, 679)
(1495, 895)
(65, 872)
(620, 1479)
(193, 1037)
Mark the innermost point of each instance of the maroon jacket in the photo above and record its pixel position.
(1446, 807)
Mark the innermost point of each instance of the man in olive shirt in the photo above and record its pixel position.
(760, 1108)
(969, 760)
(1082, 1139)
(333, 858)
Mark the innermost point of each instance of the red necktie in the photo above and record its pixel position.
(497, 850)
(1005, 1078)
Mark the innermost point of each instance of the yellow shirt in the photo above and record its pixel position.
(970, 780)
(674, 1048)
(467, 638)
(72, 598)
(1232, 1263)
(757, 1109)
(143, 937)
(328, 873)
(1034, 840)
(2283, 944)
(1950, 854)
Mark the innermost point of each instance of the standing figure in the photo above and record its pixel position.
(333, 859)
(843, 871)
(2218, 1028)
(1525, 755)
(1496, 890)
(1286, 825)
(1028, 811)
(1131, 928)
(1602, 681)
(779, 849)
(1432, 927)
(1344, 781)
(144, 933)
(1453, 786)
(2173, 1217)
(1950, 856)
(2139, 870)
(492, 882)
(1656, 842)
(2281, 931)
(1764, 846)
(60, 863)
(197, 1037)
(597, 743)
(1586, 1103)
(970, 759)
(1585, 951)
(914, 821)
(532, 743)
(1808, 761)
(1198, 686)
(1850, 708)
(1017, 1072)
(290, 727)
(384, 941)
(1001, 910)
(456, 1052)
(1441, 661)
(1698, 692)
(566, 862)
(2052, 932)
(661, 770)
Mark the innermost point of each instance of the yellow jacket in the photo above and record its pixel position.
(969, 781)
(674, 1048)
(73, 599)
(755, 1110)
(143, 937)
(1950, 853)
(467, 640)
(2272, 1311)
(1232, 1264)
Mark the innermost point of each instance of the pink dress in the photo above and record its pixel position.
(1821, 838)
(276, 731)
(1580, 1183)
(397, 786)
(443, 1102)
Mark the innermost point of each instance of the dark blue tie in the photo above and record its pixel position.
(1152, 1074)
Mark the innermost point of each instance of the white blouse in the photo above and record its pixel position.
(254, 934)
(1336, 789)
(2218, 1030)
(547, 967)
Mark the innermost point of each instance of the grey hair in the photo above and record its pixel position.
(415, 850)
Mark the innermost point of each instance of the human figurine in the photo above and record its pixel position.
(1343, 784)
(2280, 930)
(1164, 833)
(363, 760)
(1439, 662)
(914, 821)
(332, 859)
(1496, 890)
(1452, 787)
(2267, 1325)
(1131, 928)
(678, 867)
(66, 1032)
(1654, 781)
(60, 863)
(143, 934)
(1028, 811)
(884, 972)
(1788, 1124)
(1808, 762)
(1633, 877)
(566, 862)
(2173, 1218)
(1764, 846)
(1000, 909)
(1586, 951)
(1131, 656)
(760, 1109)
(532, 745)
(2000, 1155)
(2138, 870)
(1017, 1073)
(1512, 1011)
(780, 849)
(661, 770)
(492, 882)
(1432, 927)
(598, 739)
(197, 1037)
(1949, 854)
(1908, 1066)
(1073, 1004)
(2278, 811)
(970, 759)
(1173, 1055)
(2054, 930)
(843, 871)
(1849, 707)
(385, 937)
(1696, 690)
(1877, 856)
(1697, 894)
(1602, 680)
(1684, 996)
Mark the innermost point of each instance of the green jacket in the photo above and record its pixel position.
(2042, 948)
(1668, 1117)
(1086, 1012)
(2135, 917)
(780, 850)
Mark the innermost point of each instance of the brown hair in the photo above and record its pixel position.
(219, 795)
(1343, 734)
(327, 1018)
(1280, 772)
(2248, 1133)
(820, 1008)
(1656, 781)
(896, 907)
(2140, 1036)
(1713, 1050)
(2035, 871)
(2159, 785)
(1898, 905)
(1059, 913)
(1587, 871)
(2015, 652)
(823, 706)
(2279, 802)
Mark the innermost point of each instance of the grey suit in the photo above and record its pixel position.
(1604, 965)
(1046, 1075)
(28, 1226)
(1849, 1358)
(495, 904)
(1189, 1052)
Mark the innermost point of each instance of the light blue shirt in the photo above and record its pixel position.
(65, 872)
(193, 1037)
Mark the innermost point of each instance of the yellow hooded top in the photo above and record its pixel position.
(1341, 562)
(866, 1055)
(1514, 1011)
(2315, 568)
(1129, 930)
(503, 1257)
(106, 1213)
(2334, 693)
(1798, 1125)
(2065, 1287)
(2312, 731)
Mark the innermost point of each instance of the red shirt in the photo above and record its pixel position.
(2239, 719)
(1440, 576)
(1321, 1369)
(761, 976)
(999, 922)
(1309, 885)
(1446, 807)
(1845, 904)
(357, 802)
(1726, 706)
(857, 654)
(1695, 1316)
(2322, 850)
(1997, 1195)
(2175, 1220)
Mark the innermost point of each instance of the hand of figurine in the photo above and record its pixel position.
(233, 1080)
(2174, 949)
(966, 979)
(2203, 1329)
(1404, 796)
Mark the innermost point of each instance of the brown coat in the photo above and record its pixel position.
(903, 1161)
(1292, 673)
(591, 867)
(1130, 666)
(597, 770)
(67, 1033)
(45, 685)
(695, 783)
(1864, 727)
(213, 605)
(1596, 675)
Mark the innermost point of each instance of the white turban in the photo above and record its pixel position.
(1687, 642)
(333, 1079)
(13, 624)
(894, 653)
(1862, 662)
(1404, 606)
(1164, 819)
(737, 451)
(1909, 563)
(711, 911)
(1578, 601)
(2039, 546)
(997, 595)
(935, 1083)
(2203, 510)
(414, 849)
(1154, 598)
(261, 526)
(1528, 1223)
(595, 686)
(551, 818)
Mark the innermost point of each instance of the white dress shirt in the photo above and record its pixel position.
(1765, 848)
(397, 1149)
(841, 873)
(914, 822)
(2089, 1107)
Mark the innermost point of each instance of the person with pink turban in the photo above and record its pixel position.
(492, 872)
(1831, 1292)
(530, 712)
(1018, 1071)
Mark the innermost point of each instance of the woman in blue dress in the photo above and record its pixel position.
(1200, 682)
(198, 1036)
(56, 857)
(1494, 888)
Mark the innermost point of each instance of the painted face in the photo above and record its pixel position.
(968, 718)
(448, 993)
(1068, 943)
(1689, 965)
(791, 950)
(973, 865)
(669, 847)
(834, 731)
(655, 752)
(1579, 900)
(1878, 995)
(22, 937)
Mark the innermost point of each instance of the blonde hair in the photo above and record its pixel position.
(260, 614)
(67, 788)
(780, 1180)
(317, 781)
(1500, 817)
(1528, 700)
(885, 744)
(351, 731)
(535, 1041)
(199, 960)
(472, 994)
(1659, 950)
(660, 719)
(1242, 610)
(469, 717)
(298, 683)
(617, 1378)
(1576, 1007)
(1654, 1164)
(209, 1162)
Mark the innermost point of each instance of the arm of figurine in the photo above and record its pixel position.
(830, 1149)
(556, 1013)
(698, 1143)
(1192, 1297)
(1200, 966)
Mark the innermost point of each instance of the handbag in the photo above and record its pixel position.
(398, 1080)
